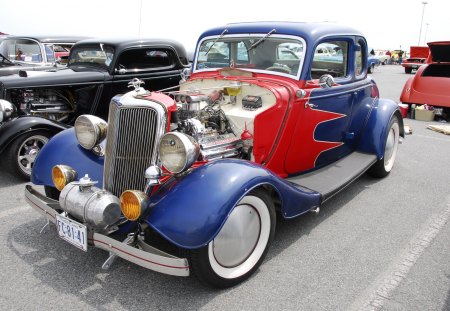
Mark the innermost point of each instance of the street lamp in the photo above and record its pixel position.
(421, 22)
(426, 31)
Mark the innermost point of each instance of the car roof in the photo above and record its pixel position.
(309, 31)
(124, 43)
(50, 39)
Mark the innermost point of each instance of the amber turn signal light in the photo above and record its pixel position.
(63, 175)
(133, 204)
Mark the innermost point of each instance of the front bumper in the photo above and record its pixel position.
(143, 254)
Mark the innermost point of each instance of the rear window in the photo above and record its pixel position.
(145, 59)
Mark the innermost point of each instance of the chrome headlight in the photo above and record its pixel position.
(6, 110)
(90, 130)
(63, 175)
(178, 151)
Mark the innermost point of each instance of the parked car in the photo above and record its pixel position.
(36, 105)
(431, 84)
(418, 57)
(372, 62)
(382, 56)
(192, 181)
(32, 53)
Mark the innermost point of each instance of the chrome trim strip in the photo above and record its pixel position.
(145, 256)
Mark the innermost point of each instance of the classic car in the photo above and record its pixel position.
(36, 105)
(431, 83)
(418, 56)
(191, 181)
(32, 53)
(372, 62)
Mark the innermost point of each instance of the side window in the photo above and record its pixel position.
(359, 59)
(331, 58)
(50, 54)
(28, 51)
(148, 58)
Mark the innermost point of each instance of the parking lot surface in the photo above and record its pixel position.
(378, 245)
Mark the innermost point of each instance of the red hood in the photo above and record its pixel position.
(440, 51)
(419, 52)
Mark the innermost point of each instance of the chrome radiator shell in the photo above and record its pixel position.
(135, 128)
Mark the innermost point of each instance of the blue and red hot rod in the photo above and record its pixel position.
(274, 120)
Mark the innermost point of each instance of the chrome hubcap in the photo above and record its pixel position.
(390, 151)
(238, 237)
(28, 152)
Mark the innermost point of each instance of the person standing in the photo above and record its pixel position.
(400, 57)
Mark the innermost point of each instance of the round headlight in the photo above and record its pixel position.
(90, 130)
(133, 204)
(6, 110)
(63, 175)
(178, 151)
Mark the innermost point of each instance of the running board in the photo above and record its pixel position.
(332, 178)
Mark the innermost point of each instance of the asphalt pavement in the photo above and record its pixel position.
(382, 244)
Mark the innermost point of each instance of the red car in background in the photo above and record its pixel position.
(418, 56)
(431, 84)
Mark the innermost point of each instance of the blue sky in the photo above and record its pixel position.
(386, 24)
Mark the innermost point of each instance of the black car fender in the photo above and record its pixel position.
(14, 128)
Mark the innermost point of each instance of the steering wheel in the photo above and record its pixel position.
(283, 69)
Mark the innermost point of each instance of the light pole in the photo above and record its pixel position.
(421, 22)
(426, 31)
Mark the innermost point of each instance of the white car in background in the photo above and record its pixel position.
(382, 57)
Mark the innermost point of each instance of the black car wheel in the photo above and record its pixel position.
(240, 246)
(408, 69)
(371, 68)
(383, 167)
(23, 151)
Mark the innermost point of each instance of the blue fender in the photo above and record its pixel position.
(63, 148)
(12, 129)
(374, 136)
(189, 211)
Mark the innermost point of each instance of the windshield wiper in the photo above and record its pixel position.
(254, 45)
(217, 39)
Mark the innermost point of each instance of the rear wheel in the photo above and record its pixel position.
(383, 167)
(240, 246)
(23, 151)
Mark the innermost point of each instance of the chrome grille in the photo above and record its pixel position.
(134, 131)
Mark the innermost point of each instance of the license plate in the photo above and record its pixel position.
(72, 231)
(415, 67)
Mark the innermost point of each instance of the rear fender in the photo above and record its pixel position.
(63, 148)
(12, 129)
(374, 136)
(190, 211)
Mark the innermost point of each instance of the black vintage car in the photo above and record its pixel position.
(35, 105)
(34, 53)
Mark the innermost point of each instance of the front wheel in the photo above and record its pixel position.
(408, 69)
(240, 246)
(23, 151)
(383, 167)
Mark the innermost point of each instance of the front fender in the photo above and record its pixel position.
(374, 136)
(190, 211)
(63, 148)
(12, 129)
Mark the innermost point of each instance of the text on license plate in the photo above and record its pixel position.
(415, 67)
(72, 231)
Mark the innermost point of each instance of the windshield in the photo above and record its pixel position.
(275, 54)
(95, 55)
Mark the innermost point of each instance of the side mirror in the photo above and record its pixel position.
(326, 81)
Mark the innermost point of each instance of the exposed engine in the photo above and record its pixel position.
(48, 103)
(202, 117)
